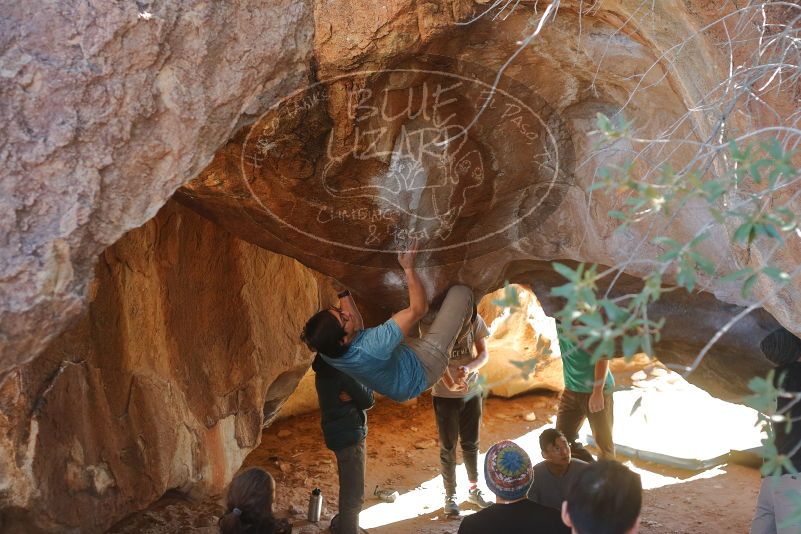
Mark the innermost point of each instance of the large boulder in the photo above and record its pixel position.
(106, 109)
(402, 135)
(109, 111)
(190, 346)
(337, 132)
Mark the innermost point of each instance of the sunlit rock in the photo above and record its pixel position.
(189, 347)
(330, 133)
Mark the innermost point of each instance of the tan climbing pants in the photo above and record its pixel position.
(434, 348)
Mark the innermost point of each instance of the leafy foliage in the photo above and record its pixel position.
(510, 298)
(742, 200)
(738, 178)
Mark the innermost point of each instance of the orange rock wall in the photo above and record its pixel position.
(190, 342)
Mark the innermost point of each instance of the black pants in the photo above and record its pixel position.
(458, 419)
(574, 408)
(350, 464)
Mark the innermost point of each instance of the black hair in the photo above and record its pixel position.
(605, 499)
(250, 504)
(549, 437)
(323, 333)
(781, 347)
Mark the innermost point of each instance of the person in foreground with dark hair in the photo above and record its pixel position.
(508, 473)
(343, 417)
(249, 508)
(605, 499)
(554, 476)
(383, 358)
(774, 504)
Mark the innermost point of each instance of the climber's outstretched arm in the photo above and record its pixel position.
(408, 317)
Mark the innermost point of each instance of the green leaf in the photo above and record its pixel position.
(605, 349)
(773, 148)
(603, 122)
(510, 297)
(698, 239)
(613, 311)
(788, 219)
(565, 271)
(749, 285)
(770, 230)
(754, 169)
(662, 240)
(763, 397)
(592, 319)
(717, 215)
(565, 291)
(736, 275)
(686, 274)
(527, 366)
(776, 273)
(713, 190)
(630, 345)
(669, 256)
(743, 233)
(704, 264)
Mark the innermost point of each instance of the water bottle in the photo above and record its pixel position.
(315, 505)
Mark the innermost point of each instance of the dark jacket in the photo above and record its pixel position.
(783, 349)
(344, 423)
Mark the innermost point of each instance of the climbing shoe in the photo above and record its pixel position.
(451, 508)
(475, 497)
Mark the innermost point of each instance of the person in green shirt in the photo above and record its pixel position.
(587, 395)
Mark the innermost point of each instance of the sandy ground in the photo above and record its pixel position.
(403, 455)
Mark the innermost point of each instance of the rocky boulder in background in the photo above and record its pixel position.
(330, 133)
(518, 335)
(189, 348)
(106, 109)
(404, 135)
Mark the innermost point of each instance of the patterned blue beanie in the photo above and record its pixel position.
(507, 470)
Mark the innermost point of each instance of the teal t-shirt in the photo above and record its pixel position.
(378, 358)
(579, 370)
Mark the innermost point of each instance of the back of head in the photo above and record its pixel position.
(507, 470)
(549, 436)
(605, 499)
(781, 347)
(250, 504)
(323, 333)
